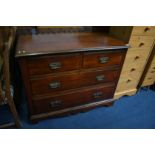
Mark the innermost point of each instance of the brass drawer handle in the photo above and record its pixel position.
(54, 85)
(146, 29)
(141, 44)
(104, 60)
(97, 95)
(56, 103)
(100, 78)
(55, 65)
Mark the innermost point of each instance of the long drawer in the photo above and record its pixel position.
(53, 64)
(51, 84)
(72, 99)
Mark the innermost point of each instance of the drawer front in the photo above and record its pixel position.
(133, 66)
(133, 72)
(131, 76)
(72, 99)
(93, 60)
(149, 80)
(53, 64)
(51, 84)
(135, 61)
(128, 80)
(151, 73)
(143, 30)
(141, 41)
(137, 55)
(153, 61)
(126, 84)
(152, 66)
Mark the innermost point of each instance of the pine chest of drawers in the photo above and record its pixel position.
(67, 73)
(141, 40)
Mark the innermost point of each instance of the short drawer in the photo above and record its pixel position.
(143, 30)
(72, 99)
(153, 61)
(149, 80)
(136, 59)
(93, 60)
(130, 76)
(125, 84)
(128, 81)
(141, 41)
(53, 64)
(151, 73)
(134, 72)
(136, 54)
(152, 66)
(52, 84)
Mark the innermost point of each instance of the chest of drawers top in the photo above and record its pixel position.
(44, 44)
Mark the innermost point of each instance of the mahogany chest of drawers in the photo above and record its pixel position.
(67, 73)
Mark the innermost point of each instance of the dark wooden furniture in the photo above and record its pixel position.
(5, 81)
(67, 73)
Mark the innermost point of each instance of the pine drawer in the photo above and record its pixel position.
(141, 41)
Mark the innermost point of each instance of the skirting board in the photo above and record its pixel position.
(125, 93)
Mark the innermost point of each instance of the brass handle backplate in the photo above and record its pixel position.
(56, 103)
(97, 95)
(104, 60)
(55, 65)
(54, 85)
(100, 78)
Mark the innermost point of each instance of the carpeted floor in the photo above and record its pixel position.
(135, 112)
